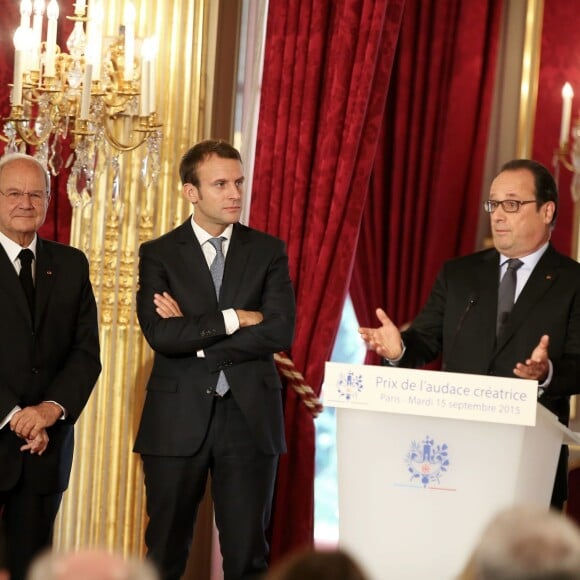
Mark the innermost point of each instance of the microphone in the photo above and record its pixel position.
(471, 302)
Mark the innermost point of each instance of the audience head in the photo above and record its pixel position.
(317, 565)
(93, 564)
(527, 543)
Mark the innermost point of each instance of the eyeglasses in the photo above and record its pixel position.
(36, 197)
(508, 205)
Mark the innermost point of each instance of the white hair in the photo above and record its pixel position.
(528, 543)
(90, 564)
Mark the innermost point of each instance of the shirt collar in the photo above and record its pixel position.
(530, 261)
(203, 236)
(13, 249)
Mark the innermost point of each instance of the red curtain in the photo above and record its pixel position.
(425, 194)
(326, 74)
(8, 24)
(58, 219)
(558, 64)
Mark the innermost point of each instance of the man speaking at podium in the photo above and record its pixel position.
(509, 311)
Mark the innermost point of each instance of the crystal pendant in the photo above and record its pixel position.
(81, 179)
(77, 41)
(11, 134)
(116, 186)
(55, 161)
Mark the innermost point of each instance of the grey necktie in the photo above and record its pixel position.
(217, 266)
(507, 292)
(217, 273)
(26, 256)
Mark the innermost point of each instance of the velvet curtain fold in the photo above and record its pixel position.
(426, 184)
(326, 74)
(8, 24)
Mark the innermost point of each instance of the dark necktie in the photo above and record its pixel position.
(217, 273)
(507, 292)
(26, 256)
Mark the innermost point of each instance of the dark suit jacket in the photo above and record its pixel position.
(459, 321)
(177, 408)
(57, 359)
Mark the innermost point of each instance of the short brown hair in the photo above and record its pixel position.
(199, 153)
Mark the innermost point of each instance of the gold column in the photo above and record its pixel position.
(530, 73)
(105, 503)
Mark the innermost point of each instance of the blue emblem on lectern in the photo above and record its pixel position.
(349, 385)
(427, 461)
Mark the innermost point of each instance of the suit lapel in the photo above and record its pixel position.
(235, 266)
(486, 285)
(193, 259)
(45, 277)
(11, 285)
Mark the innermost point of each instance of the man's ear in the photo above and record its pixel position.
(549, 209)
(190, 192)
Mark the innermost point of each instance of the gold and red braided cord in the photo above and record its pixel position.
(295, 380)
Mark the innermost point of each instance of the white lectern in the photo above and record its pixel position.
(425, 459)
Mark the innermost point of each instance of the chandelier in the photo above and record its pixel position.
(568, 151)
(99, 96)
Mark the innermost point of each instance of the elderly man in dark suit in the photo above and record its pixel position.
(468, 320)
(49, 360)
(215, 302)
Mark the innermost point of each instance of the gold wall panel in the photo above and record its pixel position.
(530, 72)
(105, 503)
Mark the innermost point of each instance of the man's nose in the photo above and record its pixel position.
(499, 214)
(235, 191)
(26, 199)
